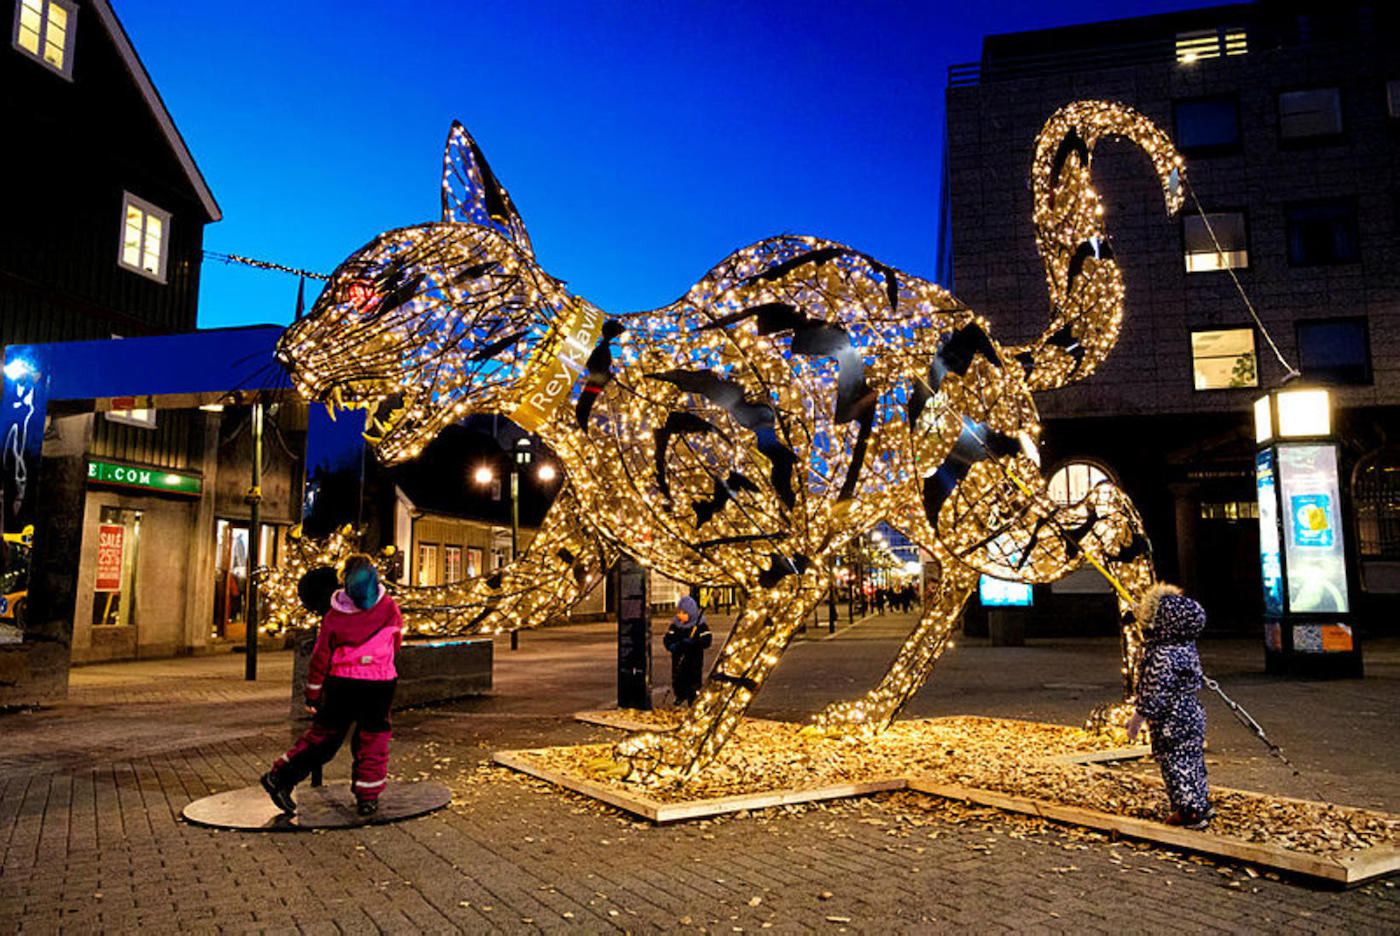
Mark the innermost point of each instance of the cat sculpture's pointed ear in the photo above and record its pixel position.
(471, 193)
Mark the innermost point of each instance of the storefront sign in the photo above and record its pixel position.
(111, 540)
(151, 479)
(1317, 571)
(1270, 562)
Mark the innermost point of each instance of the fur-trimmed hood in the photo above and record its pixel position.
(691, 607)
(1169, 617)
(342, 602)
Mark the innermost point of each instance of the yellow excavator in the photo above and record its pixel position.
(14, 577)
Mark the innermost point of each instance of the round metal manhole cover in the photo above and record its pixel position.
(323, 807)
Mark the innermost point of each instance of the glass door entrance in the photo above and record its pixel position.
(230, 578)
(231, 554)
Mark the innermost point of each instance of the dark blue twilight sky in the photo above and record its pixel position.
(641, 142)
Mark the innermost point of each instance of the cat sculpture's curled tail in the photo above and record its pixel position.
(1080, 270)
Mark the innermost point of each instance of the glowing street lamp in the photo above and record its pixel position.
(1305, 412)
(1302, 542)
(522, 454)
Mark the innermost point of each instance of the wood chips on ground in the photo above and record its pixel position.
(983, 753)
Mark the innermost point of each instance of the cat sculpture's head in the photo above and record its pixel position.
(425, 325)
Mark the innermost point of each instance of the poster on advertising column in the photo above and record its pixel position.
(111, 540)
(1271, 564)
(1313, 547)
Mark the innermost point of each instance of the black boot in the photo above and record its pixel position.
(280, 795)
(367, 807)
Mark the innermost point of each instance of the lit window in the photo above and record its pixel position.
(427, 564)
(1210, 43)
(1321, 232)
(1223, 360)
(1392, 97)
(44, 31)
(1335, 351)
(1204, 124)
(1073, 482)
(452, 564)
(124, 409)
(144, 418)
(474, 556)
(1230, 510)
(1316, 112)
(145, 237)
(1227, 249)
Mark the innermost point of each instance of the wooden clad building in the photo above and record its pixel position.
(105, 210)
(103, 237)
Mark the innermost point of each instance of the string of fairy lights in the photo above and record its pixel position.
(262, 265)
(745, 435)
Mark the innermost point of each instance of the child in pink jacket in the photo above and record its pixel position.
(351, 679)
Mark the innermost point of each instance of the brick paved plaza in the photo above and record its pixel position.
(91, 791)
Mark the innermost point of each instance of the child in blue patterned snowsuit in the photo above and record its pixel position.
(1166, 699)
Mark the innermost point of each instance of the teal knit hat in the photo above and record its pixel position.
(362, 586)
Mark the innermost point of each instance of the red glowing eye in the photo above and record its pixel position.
(361, 295)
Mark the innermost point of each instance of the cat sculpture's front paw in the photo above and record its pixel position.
(652, 755)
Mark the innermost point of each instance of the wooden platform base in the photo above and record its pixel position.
(621, 719)
(323, 807)
(662, 813)
(629, 720)
(1346, 870)
(1355, 868)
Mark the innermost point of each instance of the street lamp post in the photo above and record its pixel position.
(522, 454)
(1308, 621)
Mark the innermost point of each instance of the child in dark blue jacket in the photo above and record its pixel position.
(687, 638)
(1168, 680)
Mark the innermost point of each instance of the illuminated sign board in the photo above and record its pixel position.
(1309, 499)
(149, 479)
(999, 593)
(1269, 559)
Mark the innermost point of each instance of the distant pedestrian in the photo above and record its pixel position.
(686, 639)
(1168, 679)
(351, 679)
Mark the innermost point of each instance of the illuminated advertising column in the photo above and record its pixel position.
(1308, 625)
(1008, 605)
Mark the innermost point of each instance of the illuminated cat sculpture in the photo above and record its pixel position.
(744, 434)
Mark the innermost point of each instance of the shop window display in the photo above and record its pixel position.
(118, 545)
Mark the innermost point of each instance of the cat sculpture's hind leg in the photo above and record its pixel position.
(1118, 547)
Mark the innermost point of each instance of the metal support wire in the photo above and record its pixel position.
(1205, 219)
(1248, 721)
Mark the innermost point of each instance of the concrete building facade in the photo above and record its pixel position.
(1288, 115)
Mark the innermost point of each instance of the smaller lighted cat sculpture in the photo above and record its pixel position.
(742, 435)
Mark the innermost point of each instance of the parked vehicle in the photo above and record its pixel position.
(14, 577)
